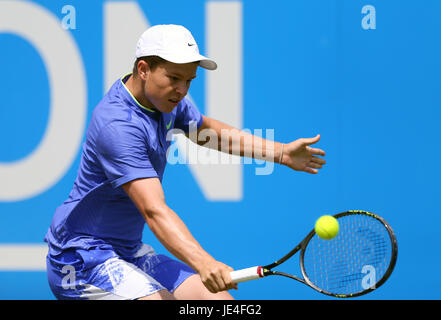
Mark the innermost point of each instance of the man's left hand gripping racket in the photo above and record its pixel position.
(357, 261)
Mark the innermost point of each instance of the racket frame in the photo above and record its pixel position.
(267, 270)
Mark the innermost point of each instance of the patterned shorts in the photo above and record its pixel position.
(102, 274)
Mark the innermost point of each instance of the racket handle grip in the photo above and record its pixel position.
(247, 274)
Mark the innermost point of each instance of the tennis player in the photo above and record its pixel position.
(95, 238)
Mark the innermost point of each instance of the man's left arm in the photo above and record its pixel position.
(297, 155)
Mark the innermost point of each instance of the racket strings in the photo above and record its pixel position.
(355, 260)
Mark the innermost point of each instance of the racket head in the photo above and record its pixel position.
(357, 261)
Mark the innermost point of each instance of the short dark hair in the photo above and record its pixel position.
(152, 61)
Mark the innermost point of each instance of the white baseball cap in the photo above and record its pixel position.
(173, 43)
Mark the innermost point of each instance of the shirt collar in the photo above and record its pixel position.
(130, 96)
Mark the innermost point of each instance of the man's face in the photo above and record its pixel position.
(168, 84)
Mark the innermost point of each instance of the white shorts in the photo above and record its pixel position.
(74, 275)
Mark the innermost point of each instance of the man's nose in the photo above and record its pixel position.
(182, 88)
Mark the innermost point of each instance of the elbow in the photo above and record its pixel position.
(153, 213)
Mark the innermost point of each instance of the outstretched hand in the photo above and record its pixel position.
(298, 155)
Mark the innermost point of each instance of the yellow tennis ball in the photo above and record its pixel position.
(326, 227)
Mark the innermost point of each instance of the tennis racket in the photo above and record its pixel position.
(357, 261)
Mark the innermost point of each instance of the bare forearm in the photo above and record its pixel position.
(222, 137)
(171, 231)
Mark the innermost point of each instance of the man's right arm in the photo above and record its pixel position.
(170, 230)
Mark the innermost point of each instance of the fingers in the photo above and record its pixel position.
(305, 158)
(313, 151)
(316, 152)
(314, 165)
(212, 282)
(310, 170)
(309, 141)
(318, 160)
(315, 162)
(208, 284)
(227, 279)
(218, 278)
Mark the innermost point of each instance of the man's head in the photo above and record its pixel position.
(167, 61)
(164, 84)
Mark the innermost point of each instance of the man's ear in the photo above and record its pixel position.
(143, 69)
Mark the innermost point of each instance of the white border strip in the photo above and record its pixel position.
(23, 257)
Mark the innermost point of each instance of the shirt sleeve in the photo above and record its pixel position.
(188, 117)
(122, 152)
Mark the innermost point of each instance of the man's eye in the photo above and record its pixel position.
(173, 78)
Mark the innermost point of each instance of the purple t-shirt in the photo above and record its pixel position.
(125, 141)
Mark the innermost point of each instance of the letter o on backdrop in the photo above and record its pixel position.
(52, 158)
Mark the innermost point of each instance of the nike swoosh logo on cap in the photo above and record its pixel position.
(191, 44)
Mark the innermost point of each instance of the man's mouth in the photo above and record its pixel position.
(174, 100)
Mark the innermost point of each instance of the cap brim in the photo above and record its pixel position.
(208, 64)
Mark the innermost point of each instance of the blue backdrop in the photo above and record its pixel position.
(366, 80)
